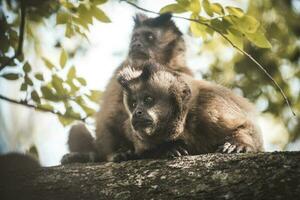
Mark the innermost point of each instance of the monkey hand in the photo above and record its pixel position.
(176, 150)
(76, 157)
(235, 147)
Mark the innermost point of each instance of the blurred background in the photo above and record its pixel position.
(103, 46)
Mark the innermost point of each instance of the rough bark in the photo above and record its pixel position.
(212, 176)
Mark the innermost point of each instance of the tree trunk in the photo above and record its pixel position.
(212, 176)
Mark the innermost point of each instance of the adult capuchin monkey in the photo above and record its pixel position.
(157, 39)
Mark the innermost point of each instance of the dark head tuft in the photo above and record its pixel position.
(149, 69)
(139, 19)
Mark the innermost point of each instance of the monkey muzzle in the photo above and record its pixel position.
(141, 120)
(137, 51)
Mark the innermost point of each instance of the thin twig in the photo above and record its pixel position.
(233, 45)
(21, 36)
(24, 103)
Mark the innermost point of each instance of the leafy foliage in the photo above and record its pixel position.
(63, 85)
(209, 17)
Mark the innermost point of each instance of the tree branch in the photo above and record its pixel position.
(24, 103)
(233, 45)
(21, 36)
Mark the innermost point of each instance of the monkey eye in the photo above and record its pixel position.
(133, 103)
(148, 100)
(150, 36)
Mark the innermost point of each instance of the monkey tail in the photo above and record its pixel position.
(80, 139)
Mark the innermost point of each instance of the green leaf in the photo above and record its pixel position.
(95, 95)
(195, 6)
(49, 94)
(26, 67)
(82, 81)
(72, 73)
(69, 30)
(100, 15)
(174, 8)
(81, 22)
(217, 8)
(39, 76)
(238, 12)
(89, 111)
(48, 64)
(28, 81)
(210, 9)
(245, 24)
(220, 24)
(98, 2)
(206, 6)
(63, 58)
(65, 121)
(259, 39)
(35, 97)
(11, 76)
(46, 106)
(235, 37)
(62, 18)
(197, 29)
(58, 86)
(70, 112)
(23, 87)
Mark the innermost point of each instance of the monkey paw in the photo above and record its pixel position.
(122, 156)
(176, 151)
(76, 157)
(234, 148)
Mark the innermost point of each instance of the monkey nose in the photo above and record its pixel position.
(138, 113)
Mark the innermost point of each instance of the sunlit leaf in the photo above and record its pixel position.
(11, 76)
(98, 2)
(63, 58)
(35, 97)
(48, 63)
(245, 24)
(235, 37)
(235, 11)
(72, 73)
(39, 76)
(49, 94)
(65, 121)
(174, 8)
(206, 6)
(95, 95)
(62, 18)
(100, 15)
(28, 81)
(195, 6)
(46, 106)
(259, 39)
(197, 29)
(58, 86)
(23, 87)
(82, 81)
(26, 67)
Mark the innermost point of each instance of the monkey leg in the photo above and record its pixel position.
(244, 139)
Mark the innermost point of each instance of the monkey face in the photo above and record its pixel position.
(148, 110)
(155, 100)
(153, 38)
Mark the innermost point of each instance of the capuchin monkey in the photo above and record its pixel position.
(156, 39)
(172, 114)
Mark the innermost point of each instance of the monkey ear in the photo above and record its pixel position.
(139, 19)
(161, 19)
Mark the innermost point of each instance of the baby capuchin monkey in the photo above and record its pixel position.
(172, 114)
